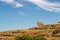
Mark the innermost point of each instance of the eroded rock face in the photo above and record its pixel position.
(57, 25)
(58, 22)
(53, 26)
(56, 33)
(40, 24)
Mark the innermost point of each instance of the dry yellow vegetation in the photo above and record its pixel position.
(49, 31)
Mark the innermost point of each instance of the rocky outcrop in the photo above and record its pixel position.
(50, 31)
(40, 25)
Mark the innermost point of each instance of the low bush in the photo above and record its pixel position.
(30, 38)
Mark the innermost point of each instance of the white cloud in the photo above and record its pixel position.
(46, 5)
(13, 3)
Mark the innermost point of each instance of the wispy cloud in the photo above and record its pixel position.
(46, 5)
(22, 13)
(13, 3)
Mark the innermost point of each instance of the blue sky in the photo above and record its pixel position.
(20, 14)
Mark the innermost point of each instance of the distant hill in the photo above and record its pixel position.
(49, 31)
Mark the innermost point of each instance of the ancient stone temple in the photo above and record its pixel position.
(40, 25)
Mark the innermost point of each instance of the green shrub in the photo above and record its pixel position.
(29, 38)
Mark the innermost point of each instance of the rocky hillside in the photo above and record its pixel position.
(49, 31)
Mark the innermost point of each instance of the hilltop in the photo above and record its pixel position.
(48, 31)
